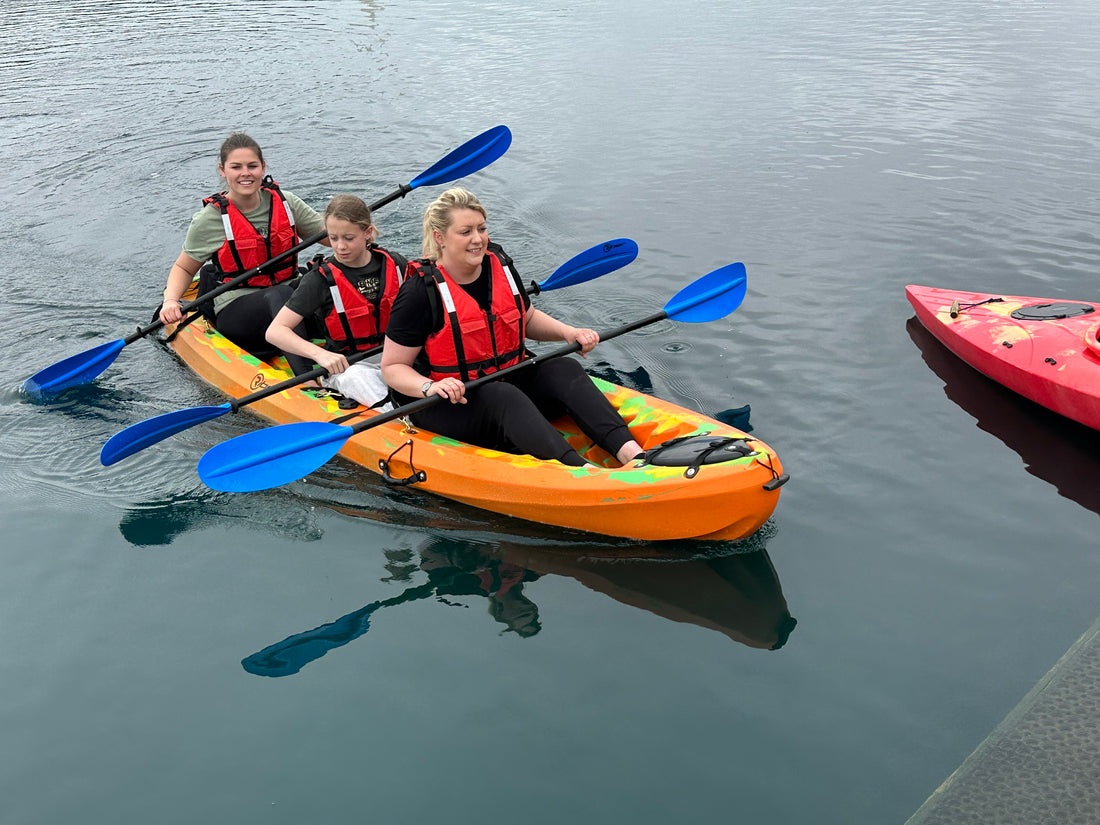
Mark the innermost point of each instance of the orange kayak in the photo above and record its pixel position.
(730, 495)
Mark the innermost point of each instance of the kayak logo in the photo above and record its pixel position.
(258, 382)
(607, 247)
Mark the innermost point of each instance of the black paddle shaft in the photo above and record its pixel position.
(422, 403)
(320, 372)
(141, 332)
(295, 380)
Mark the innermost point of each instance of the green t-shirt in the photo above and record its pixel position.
(206, 234)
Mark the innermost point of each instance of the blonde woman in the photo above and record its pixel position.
(462, 313)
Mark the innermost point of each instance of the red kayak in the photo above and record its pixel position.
(1043, 349)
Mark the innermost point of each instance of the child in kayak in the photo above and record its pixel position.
(249, 223)
(347, 298)
(462, 313)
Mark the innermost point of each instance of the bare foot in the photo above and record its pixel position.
(628, 452)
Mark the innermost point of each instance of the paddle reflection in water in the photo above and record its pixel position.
(159, 522)
(738, 595)
(1057, 450)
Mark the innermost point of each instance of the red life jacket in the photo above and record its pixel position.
(245, 247)
(472, 342)
(355, 322)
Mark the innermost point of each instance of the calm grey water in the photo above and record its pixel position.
(335, 651)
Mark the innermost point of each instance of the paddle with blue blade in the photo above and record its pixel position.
(473, 155)
(585, 266)
(279, 455)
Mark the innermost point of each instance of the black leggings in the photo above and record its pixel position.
(513, 415)
(245, 320)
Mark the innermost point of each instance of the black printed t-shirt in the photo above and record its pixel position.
(312, 297)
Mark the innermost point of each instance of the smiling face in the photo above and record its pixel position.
(243, 171)
(464, 242)
(350, 241)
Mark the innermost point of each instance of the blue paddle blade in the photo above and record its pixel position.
(271, 457)
(711, 297)
(137, 437)
(592, 263)
(471, 156)
(73, 371)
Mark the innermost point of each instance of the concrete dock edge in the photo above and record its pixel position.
(1042, 763)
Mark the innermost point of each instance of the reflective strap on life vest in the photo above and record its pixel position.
(341, 313)
(452, 316)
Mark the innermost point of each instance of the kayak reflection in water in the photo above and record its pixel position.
(738, 595)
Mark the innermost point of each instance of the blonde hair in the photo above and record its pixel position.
(437, 217)
(351, 209)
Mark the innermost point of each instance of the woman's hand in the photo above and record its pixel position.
(170, 311)
(450, 388)
(398, 373)
(181, 274)
(542, 327)
(585, 338)
(333, 362)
